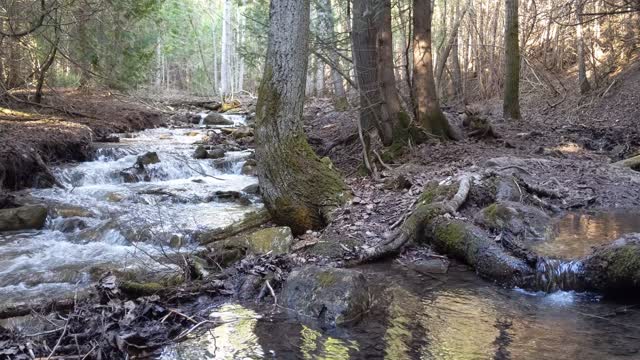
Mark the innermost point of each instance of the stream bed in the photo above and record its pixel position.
(100, 221)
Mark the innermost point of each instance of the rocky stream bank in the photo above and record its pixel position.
(185, 199)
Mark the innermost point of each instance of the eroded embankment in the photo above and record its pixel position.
(33, 137)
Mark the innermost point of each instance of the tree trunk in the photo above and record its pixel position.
(325, 15)
(364, 37)
(299, 189)
(511, 106)
(456, 73)
(445, 50)
(43, 71)
(399, 120)
(583, 82)
(225, 67)
(426, 104)
(319, 78)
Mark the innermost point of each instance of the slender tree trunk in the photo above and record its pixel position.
(426, 104)
(241, 66)
(2, 55)
(456, 74)
(299, 189)
(325, 13)
(583, 82)
(43, 70)
(214, 38)
(319, 78)
(445, 50)
(511, 106)
(226, 74)
(158, 77)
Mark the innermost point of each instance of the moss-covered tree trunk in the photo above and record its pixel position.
(511, 105)
(426, 104)
(298, 188)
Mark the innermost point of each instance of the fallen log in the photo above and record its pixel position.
(250, 221)
(632, 163)
(17, 310)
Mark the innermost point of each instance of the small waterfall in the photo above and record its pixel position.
(553, 275)
(202, 115)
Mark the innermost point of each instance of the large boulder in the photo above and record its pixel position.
(521, 220)
(23, 218)
(333, 296)
(216, 119)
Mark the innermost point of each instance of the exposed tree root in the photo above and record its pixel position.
(610, 269)
(632, 163)
(414, 225)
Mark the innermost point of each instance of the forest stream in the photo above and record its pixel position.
(106, 222)
(102, 221)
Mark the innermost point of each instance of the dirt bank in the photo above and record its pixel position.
(62, 130)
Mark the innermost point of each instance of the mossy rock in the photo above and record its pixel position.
(147, 159)
(518, 219)
(30, 217)
(615, 268)
(335, 297)
(277, 240)
(434, 192)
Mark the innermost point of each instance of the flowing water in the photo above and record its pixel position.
(121, 225)
(458, 316)
(451, 316)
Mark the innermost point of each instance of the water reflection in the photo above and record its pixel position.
(576, 233)
(234, 339)
(460, 317)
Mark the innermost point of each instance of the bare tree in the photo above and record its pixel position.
(511, 106)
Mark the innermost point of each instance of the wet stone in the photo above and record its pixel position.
(200, 153)
(529, 222)
(147, 159)
(23, 218)
(333, 296)
(216, 119)
(250, 168)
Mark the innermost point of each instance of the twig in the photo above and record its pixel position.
(382, 162)
(64, 332)
(190, 330)
(273, 293)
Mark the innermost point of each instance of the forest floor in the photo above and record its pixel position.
(565, 144)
